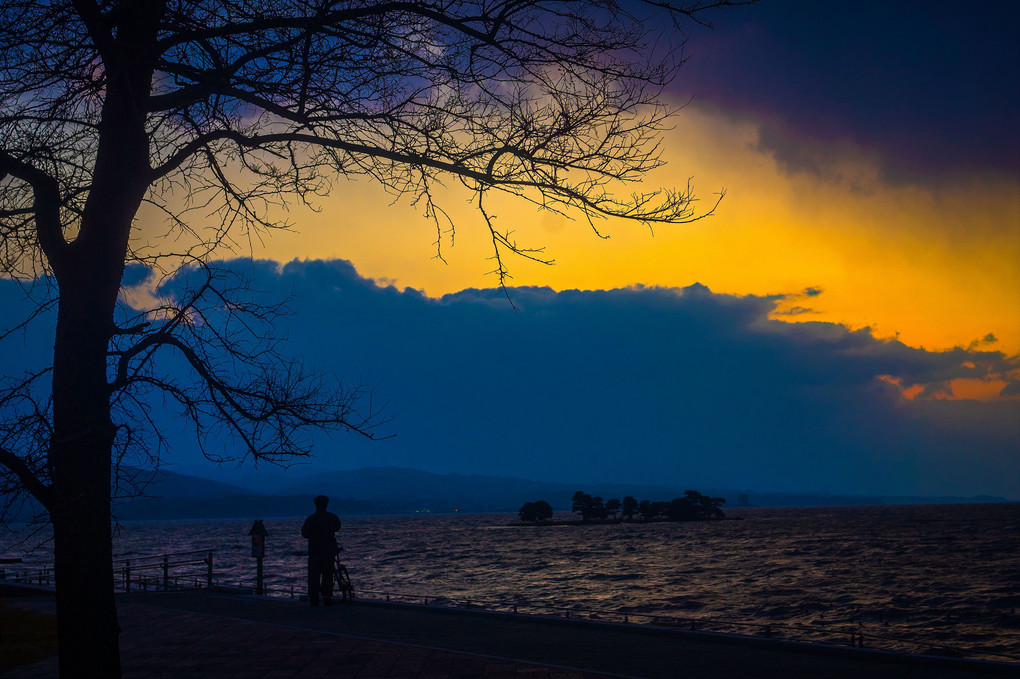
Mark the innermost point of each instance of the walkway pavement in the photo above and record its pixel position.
(159, 643)
(203, 635)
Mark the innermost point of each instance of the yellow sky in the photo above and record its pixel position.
(940, 268)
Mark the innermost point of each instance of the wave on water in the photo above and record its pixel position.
(943, 574)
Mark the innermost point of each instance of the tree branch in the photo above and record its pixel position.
(45, 204)
(97, 27)
(39, 490)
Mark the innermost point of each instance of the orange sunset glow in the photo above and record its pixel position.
(934, 268)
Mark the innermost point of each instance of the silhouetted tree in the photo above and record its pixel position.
(695, 506)
(681, 509)
(540, 510)
(706, 507)
(612, 507)
(543, 510)
(630, 508)
(583, 504)
(646, 510)
(213, 114)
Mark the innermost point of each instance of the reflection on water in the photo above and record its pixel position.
(946, 573)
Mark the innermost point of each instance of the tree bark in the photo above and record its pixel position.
(87, 628)
(81, 451)
(80, 461)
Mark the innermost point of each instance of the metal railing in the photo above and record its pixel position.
(41, 576)
(157, 572)
(163, 572)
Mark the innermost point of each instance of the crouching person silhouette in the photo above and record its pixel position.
(320, 530)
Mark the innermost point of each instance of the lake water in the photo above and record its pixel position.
(927, 575)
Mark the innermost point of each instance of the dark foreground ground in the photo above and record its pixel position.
(201, 634)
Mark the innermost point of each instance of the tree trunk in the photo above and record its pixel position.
(89, 274)
(87, 627)
(81, 451)
(80, 465)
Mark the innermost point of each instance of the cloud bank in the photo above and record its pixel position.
(645, 385)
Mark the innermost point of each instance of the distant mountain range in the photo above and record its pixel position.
(393, 490)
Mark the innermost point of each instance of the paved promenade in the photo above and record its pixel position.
(203, 635)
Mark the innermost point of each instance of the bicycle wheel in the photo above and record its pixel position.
(343, 583)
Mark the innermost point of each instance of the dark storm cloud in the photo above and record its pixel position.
(646, 384)
(640, 384)
(930, 88)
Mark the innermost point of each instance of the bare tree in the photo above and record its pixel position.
(216, 112)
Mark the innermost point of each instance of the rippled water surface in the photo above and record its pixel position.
(945, 574)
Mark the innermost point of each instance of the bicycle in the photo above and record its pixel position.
(342, 580)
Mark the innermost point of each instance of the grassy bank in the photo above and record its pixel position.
(25, 636)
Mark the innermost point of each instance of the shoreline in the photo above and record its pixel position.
(208, 631)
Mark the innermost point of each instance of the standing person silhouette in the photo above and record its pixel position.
(320, 530)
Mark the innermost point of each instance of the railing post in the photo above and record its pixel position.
(127, 575)
(166, 573)
(208, 576)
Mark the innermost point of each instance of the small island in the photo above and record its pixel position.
(693, 506)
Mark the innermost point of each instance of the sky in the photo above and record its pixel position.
(847, 321)
(867, 150)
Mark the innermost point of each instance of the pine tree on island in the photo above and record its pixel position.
(630, 508)
(539, 511)
(693, 506)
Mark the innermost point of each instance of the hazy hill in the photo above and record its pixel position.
(392, 490)
(171, 484)
(385, 490)
(161, 489)
(372, 490)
